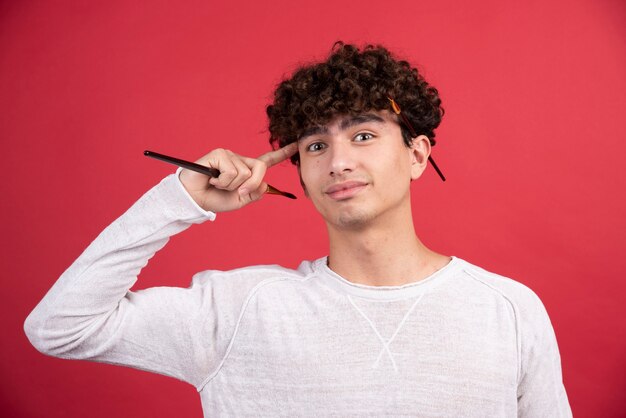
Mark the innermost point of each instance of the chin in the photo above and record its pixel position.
(352, 219)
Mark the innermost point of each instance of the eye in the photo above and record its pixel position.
(315, 146)
(363, 136)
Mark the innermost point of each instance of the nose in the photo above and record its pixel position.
(341, 159)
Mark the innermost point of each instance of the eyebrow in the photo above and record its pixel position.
(345, 123)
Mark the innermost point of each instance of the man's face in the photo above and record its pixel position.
(357, 169)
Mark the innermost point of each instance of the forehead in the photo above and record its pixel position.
(344, 122)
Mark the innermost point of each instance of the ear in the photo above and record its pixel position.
(420, 150)
(306, 193)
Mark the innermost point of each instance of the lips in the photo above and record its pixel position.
(345, 189)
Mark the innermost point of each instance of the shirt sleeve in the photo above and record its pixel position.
(90, 313)
(541, 392)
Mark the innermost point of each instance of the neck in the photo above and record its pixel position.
(382, 253)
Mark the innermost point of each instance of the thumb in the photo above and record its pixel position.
(254, 195)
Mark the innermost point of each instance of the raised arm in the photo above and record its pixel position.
(90, 313)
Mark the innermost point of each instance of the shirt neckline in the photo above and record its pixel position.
(342, 285)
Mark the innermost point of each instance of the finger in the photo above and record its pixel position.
(243, 173)
(274, 157)
(256, 194)
(258, 170)
(223, 162)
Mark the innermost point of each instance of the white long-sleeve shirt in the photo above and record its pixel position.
(271, 341)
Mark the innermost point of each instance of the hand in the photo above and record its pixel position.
(240, 181)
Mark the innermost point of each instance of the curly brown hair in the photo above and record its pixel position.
(352, 81)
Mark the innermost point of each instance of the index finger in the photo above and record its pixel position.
(274, 157)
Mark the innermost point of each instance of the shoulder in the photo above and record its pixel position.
(533, 326)
(528, 310)
(520, 296)
(226, 293)
(250, 277)
(260, 272)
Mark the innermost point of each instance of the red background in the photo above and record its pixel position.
(532, 144)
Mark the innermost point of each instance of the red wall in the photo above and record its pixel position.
(532, 144)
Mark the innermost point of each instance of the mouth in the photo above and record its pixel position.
(345, 190)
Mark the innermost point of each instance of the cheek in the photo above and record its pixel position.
(309, 170)
(405, 161)
(398, 161)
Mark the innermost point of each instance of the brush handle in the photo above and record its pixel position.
(211, 172)
(208, 171)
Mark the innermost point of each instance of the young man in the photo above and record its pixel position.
(382, 326)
